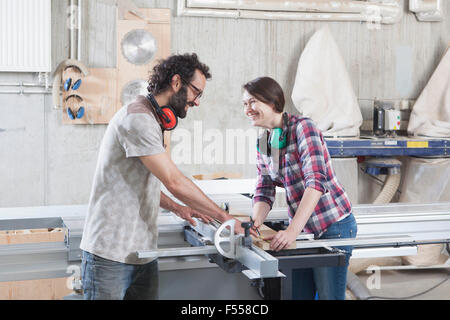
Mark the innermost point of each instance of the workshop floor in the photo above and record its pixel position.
(410, 282)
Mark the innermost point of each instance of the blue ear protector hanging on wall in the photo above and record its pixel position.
(80, 112)
(277, 139)
(74, 87)
(166, 114)
(68, 82)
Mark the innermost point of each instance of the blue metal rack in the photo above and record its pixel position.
(388, 147)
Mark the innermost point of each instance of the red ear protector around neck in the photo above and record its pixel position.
(166, 114)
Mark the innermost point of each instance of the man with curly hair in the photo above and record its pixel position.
(126, 194)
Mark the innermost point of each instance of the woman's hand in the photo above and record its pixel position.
(260, 212)
(256, 224)
(282, 239)
(285, 238)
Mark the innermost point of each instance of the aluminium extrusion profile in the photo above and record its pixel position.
(34, 261)
(176, 252)
(260, 264)
(386, 11)
(357, 242)
(367, 253)
(23, 92)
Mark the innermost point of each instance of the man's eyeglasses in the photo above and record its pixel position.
(195, 89)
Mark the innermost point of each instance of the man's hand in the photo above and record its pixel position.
(187, 214)
(181, 187)
(282, 239)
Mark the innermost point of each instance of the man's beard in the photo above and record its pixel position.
(178, 102)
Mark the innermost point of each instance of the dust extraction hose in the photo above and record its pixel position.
(355, 285)
(389, 189)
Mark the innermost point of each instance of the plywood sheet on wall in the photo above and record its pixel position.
(98, 90)
(101, 90)
(158, 25)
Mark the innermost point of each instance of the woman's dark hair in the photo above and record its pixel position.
(267, 90)
(183, 65)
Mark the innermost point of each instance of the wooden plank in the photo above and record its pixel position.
(31, 236)
(41, 289)
(265, 232)
(152, 15)
(218, 175)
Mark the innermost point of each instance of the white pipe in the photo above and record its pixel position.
(75, 29)
(21, 92)
(427, 10)
(387, 11)
(80, 12)
(25, 84)
(72, 50)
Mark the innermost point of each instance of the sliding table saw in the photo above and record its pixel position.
(191, 258)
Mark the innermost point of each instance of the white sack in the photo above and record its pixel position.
(426, 181)
(431, 113)
(323, 90)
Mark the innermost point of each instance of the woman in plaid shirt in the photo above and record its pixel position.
(292, 154)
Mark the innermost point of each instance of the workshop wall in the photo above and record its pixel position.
(44, 162)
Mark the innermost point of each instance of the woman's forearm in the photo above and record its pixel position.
(260, 211)
(306, 207)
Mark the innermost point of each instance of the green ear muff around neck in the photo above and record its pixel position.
(277, 139)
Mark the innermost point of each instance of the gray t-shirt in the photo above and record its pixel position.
(124, 201)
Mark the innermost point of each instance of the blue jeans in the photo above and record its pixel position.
(104, 279)
(329, 282)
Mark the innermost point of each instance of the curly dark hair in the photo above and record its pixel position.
(183, 65)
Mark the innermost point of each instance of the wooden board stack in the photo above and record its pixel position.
(39, 289)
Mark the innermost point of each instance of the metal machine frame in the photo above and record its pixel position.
(388, 147)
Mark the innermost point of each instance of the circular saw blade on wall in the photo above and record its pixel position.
(133, 89)
(139, 46)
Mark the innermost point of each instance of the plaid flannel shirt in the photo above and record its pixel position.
(305, 162)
